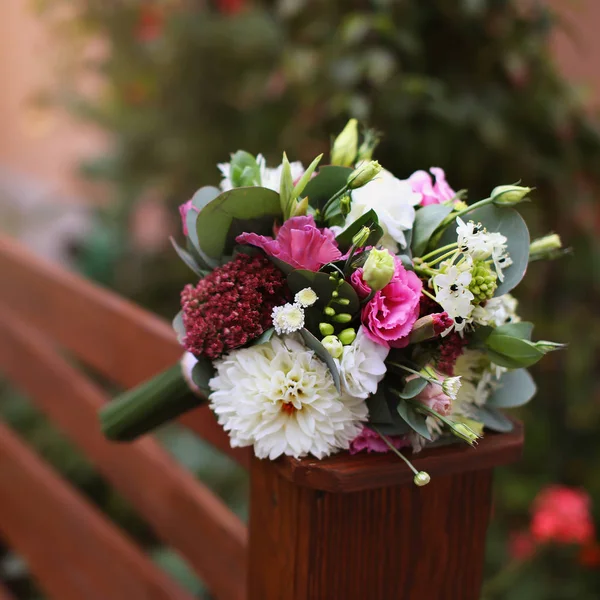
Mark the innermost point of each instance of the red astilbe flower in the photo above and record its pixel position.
(452, 346)
(562, 515)
(231, 306)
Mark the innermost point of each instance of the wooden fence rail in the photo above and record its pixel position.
(337, 529)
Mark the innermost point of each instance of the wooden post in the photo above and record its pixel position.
(356, 527)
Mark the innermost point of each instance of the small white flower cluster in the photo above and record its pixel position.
(270, 178)
(475, 241)
(290, 317)
(497, 311)
(452, 291)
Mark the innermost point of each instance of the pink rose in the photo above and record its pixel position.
(299, 243)
(371, 441)
(434, 398)
(431, 193)
(183, 211)
(389, 316)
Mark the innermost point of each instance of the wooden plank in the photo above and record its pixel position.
(121, 341)
(183, 512)
(5, 594)
(345, 473)
(401, 542)
(71, 549)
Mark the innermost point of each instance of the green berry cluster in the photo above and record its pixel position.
(483, 281)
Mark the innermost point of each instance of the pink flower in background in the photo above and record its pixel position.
(183, 211)
(431, 193)
(371, 441)
(434, 398)
(389, 316)
(562, 514)
(299, 243)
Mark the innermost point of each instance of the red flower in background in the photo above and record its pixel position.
(562, 515)
(150, 23)
(230, 7)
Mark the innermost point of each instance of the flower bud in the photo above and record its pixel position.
(464, 432)
(330, 312)
(379, 269)
(347, 336)
(363, 174)
(333, 345)
(326, 328)
(343, 301)
(507, 195)
(422, 478)
(345, 205)
(450, 386)
(483, 281)
(365, 152)
(344, 148)
(546, 347)
(547, 247)
(342, 318)
(361, 236)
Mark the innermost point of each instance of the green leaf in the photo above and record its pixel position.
(427, 220)
(323, 287)
(516, 351)
(412, 388)
(414, 419)
(369, 219)
(314, 344)
(306, 176)
(179, 327)
(383, 415)
(509, 223)
(188, 259)
(233, 212)
(516, 388)
(522, 329)
(329, 181)
(406, 261)
(492, 418)
(244, 170)
(286, 187)
(199, 200)
(202, 373)
(264, 337)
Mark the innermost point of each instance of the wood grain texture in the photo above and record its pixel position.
(72, 550)
(121, 341)
(400, 542)
(345, 473)
(182, 511)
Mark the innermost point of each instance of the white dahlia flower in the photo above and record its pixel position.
(280, 398)
(362, 366)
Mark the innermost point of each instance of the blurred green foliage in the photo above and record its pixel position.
(468, 85)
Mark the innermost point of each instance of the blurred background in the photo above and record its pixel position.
(114, 113)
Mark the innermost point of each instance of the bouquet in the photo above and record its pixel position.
(339, 308)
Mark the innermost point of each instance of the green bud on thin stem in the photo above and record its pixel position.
(329, 311)
(363, 174)
(345, 146)
(347, 336)
(342, 318)
(342, 301)
(326, 328)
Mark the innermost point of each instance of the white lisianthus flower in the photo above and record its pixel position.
(394, 202)
(306, 297)
(270, 178)
(280, 398)
(287, 318)
(451, 386)
(362, 366)
(497, 311)
(452, 292)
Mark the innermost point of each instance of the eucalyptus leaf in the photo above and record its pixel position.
(199, 200)
(233, 212)
(328, 181)
(515, 389)
(179, 327)
(406, 261)
(492, 418)
(413, 388)
(509, 223)
(521, 353)
(264, 337)
(188, 259)
(414, 419)
(379, 409)
(369, 219)
(314, 344)
(427, 220)
(202, 372)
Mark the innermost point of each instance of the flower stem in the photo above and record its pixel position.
(429, 295)
(425, 270)
(452, 216)
(442, 257)
(425, 377)
(333, 198)
(394, 449)
(438, 250)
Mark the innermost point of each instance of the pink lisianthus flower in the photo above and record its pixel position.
(562, 514)
(299, 243)
(371, 441)
(389, 316)
(184, 209)
(434, 398)
(431, 193)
